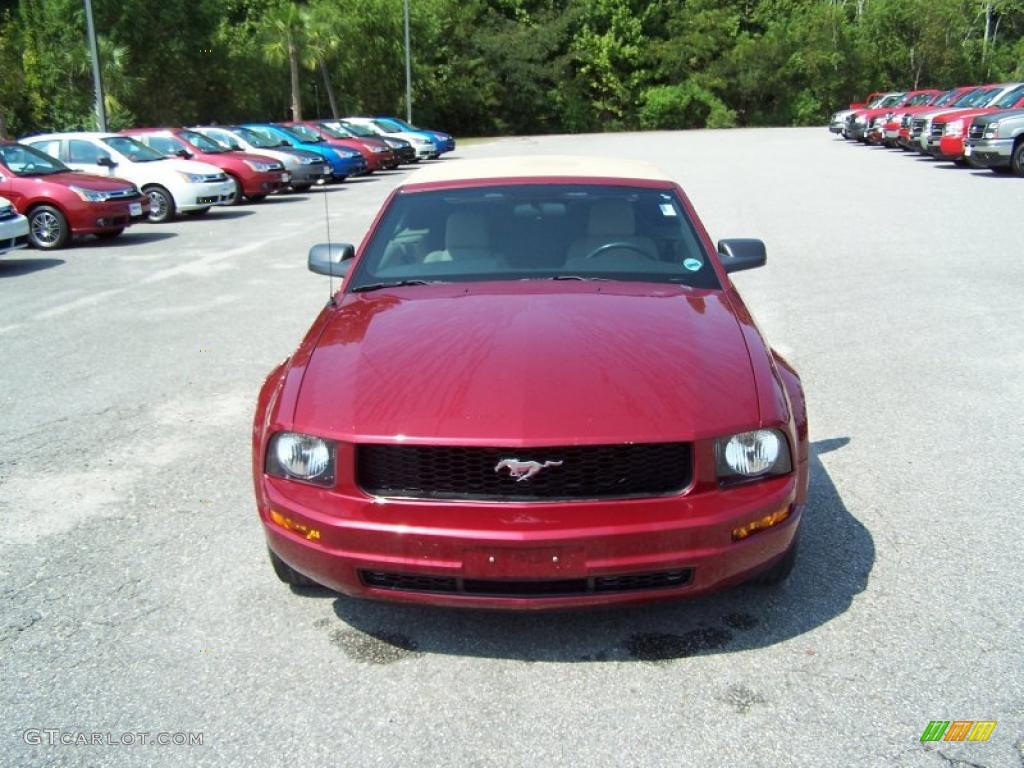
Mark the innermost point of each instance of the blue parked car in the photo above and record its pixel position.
(444, 141)
(343, 162)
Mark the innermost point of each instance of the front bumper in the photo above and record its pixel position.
(951, 147)
(583, 543)
(109, 215)
(264, 182)
(13, 233)
(989, 153)
(856, 130)
(308, 174)
(205, 195)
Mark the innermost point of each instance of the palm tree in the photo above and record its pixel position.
(284, 32)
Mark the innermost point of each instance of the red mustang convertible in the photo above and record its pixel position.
(535, 388)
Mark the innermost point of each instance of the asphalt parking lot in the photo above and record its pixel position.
(137, 596)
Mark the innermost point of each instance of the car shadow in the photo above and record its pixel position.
(987, 174)
(221, 213)
(287, 197)
(131, 237)
(836, 557)
(14, 267)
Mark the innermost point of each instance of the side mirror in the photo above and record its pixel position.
(105, 160)
(741, 253)
(184, 153)
(332, 259)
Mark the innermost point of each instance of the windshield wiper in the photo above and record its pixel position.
(578, 277)
(393, 284)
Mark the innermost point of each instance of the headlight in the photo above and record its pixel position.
(192, 178)
(301, 457)
(759, 453)
(954, 128)
(860, 119)
(8, 210)
(379, 149)
(259, 167)
(90, 195)
(992, 131)
(310, 160)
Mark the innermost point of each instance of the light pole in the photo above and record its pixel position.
(408, 69)
(97, 81)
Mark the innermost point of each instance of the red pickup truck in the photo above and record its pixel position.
(953, 126)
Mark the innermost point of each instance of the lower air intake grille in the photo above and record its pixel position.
(571, 472)
(633, 582)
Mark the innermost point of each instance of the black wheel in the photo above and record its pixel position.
(781, 570)
(161, 204)
(256, 198)
(236, 191)
(1017, 158)
(48, 230)
(287, 574)
(301, 187)
(198, 212)
(110, 234)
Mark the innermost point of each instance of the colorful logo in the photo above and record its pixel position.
(958, 730)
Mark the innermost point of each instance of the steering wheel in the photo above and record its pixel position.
(618, 244)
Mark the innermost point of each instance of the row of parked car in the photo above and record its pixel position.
(977, 125)
(58, 186)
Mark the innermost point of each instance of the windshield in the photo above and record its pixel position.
(388, 126)
(891, 101)
(305, 133)
(166, 145)
(535, 231)
(26, 161)
(921, 98)
(267, 138)
(202, 143)
(335, 131)
(1011, 98)
(944, 98)
(292, 134)
(359, 130)
(973, 98)
(134, 150)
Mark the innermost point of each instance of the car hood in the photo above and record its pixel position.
(539, 363)
(83, 180)
(190, 166)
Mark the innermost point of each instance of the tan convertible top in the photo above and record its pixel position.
(535, 166)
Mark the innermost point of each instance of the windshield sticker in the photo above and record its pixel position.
(693, 264)
(667, 209)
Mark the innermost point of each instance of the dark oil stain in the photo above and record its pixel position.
(742, 621)
(741, 698)
(375, 648)
(660, 646)
(323, 623)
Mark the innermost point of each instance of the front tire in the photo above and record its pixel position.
(236, 192)
(1017, 158)
(287, 574)
(48, 229)
(161, 204)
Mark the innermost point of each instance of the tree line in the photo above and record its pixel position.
(484, 67)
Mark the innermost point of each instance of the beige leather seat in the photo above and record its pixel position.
(466, 239)
(611, 221)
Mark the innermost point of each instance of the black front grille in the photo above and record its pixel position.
(937, 129)
(634, 582)
(572, 472)
(918, 126)
(977, 131)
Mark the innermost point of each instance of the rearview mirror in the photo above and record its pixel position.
(105, 160)
(741, 253)
(332, 259)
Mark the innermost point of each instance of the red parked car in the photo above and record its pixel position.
(60, 203)
(378, 155)
(954, 125)
(536, 387)
(255, 176)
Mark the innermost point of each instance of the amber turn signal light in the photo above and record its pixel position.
(761, 524)
(291, 525)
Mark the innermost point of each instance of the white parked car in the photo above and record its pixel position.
(425, 148)
(172, 184)
(305, 168)
(13, 228)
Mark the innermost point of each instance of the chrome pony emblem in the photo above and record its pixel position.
(524, 470)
